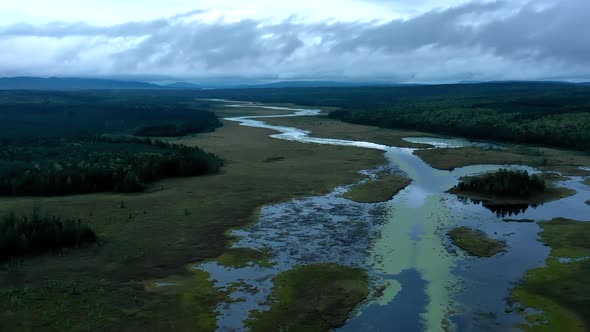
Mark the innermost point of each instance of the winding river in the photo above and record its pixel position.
(401, 243)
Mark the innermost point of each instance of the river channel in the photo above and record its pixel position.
(430, 285)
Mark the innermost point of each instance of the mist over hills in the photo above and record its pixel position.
(76, 83)
(70, 83)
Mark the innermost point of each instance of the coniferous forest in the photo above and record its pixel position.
(52, 167)
(503, 183)
(63, 143)
(35, 234)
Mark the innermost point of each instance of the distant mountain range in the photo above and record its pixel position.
(70, 83)
(318, 84)
(74, 83)
(281, 84)
(182, 86)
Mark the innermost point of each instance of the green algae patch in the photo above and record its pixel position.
(242, 257)
(382, 189)
(476, 243)
(560, 289)
(316, 297)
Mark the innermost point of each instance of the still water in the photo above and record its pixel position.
(429, 285)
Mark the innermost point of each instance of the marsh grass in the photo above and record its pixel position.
(564, 161)
(315, 297)
(476, 243)
(382, 189)
(242, 257)
(161, 239)
(560, 289)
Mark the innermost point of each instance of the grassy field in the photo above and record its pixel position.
(476, 243)
(560, 289)
(153, 235)
(382, 189)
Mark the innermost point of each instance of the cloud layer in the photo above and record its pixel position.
(473, 41)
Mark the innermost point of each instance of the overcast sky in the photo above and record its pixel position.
(394, 40)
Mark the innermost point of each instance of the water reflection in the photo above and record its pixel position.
(500, 210)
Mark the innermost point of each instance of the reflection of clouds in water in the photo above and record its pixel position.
(416, 198)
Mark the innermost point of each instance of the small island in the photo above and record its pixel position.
(475, 242)
(382, 189)
(507, 187)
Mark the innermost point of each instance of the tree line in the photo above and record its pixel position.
(36, 234)
(568, 130)
(503, 183)
(108, 169)
(84, 114)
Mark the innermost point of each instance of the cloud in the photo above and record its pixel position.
(474, 40)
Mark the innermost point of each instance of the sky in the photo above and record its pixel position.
(405, 41)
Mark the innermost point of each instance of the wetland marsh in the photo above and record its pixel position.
(360, 223)
(401, 243)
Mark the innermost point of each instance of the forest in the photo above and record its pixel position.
(36, 234)
(83, 114)
(63, 143)
(503, 183)
(551, 114)
(53, 167)
(208, 122)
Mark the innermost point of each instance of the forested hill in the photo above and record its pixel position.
(69, 83)
(553, 114)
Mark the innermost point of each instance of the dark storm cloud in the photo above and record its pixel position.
(474, 40)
